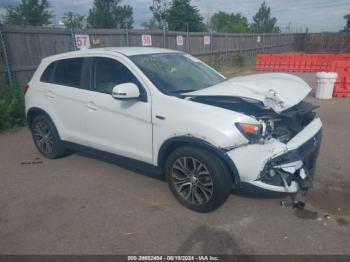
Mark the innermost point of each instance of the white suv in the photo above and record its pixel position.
(168, 111)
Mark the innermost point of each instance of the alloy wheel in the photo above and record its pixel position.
(192, 180)
(43, 137)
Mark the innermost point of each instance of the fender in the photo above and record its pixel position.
(174, 142)
(33, 112)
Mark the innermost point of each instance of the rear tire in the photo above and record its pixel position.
(46, 138)
(198, 179)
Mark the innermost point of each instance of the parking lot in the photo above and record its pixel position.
(83, 205)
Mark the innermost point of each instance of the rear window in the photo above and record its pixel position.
(47, 75)
(64, 72)
(68, 72)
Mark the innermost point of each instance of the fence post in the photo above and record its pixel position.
(127, 36)
(188, 41)
(226, 46)
(164, 37)
(7, 63)
(211, 43)
(72, 34)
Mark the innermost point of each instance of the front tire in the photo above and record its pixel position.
(46, 138)
(198, 179)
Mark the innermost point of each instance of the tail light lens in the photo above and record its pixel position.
(25, 88)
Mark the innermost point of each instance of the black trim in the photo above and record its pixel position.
(172, 143)
(126, 162)
(36, 111)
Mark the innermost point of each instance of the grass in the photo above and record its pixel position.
(232, 65)
(12, 112)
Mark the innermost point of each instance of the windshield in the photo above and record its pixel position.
(175, 73)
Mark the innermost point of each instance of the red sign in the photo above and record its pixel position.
(146, 40)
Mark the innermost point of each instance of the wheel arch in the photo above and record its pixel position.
(171, 144)
(33, 112)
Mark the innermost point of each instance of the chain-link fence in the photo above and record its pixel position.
(22, 48)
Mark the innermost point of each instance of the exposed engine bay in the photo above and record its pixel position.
(282, 126)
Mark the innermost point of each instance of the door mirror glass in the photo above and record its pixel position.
(126, 91)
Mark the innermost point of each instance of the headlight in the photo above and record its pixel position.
(252, 132)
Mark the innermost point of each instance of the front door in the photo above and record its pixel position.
(122, 127)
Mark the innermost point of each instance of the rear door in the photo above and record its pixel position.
(123, 127)
(66, 92)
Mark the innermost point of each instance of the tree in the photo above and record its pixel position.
(229, 23)
(75, 20)
(159, 10)
(28, 12)
(347, 26)
(263, 22)
(151, 24)
(182, 16)
(110, 14)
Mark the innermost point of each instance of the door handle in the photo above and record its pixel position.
(50, 95)
(91, 105)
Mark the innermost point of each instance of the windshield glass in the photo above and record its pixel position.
(175, 73)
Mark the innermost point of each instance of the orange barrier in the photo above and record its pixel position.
(342, 84)
(297, 62)
(339, 63)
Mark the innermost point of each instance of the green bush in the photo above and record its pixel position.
(12, 113)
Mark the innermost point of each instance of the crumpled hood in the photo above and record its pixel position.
(277, 91)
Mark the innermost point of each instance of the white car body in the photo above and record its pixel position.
(139, 130)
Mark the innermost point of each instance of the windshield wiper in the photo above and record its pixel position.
(179, 91)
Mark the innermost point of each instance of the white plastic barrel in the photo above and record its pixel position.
(325, 84)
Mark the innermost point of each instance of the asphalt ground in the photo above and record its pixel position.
(84, 205)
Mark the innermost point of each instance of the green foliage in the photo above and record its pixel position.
(231, 65)
(263, 22)
(12, 113)
(347, 26)
(75, 20)
(110, 14)
(182, 16)
(28, 12)
(159, 10)
(229, 23)
(150, 24)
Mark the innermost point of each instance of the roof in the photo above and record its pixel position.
(127, 51)
(130, 51)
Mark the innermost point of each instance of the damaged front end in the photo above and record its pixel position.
(281, 126)
(297, 166)
(283, 157)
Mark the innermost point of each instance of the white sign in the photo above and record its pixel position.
(179, 40)
(258, 39)
(146, 40)
(82, 41)
(206, 40)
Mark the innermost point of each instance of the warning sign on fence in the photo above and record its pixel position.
(179, 40)
(206, 40)
(82, 41)
(146, 40)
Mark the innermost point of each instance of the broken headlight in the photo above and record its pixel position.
(253, 132)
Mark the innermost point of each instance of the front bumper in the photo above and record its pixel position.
(280, 167)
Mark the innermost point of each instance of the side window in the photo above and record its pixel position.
(108, 73)
(68, 72)
(47, 75)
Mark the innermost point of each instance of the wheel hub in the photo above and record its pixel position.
(192, 180)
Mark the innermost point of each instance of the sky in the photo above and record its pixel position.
(317, 15)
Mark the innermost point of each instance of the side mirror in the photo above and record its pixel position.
(126, 91)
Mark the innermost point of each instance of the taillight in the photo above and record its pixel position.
(25, 88)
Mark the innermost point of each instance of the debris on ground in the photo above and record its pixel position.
(284, 203)
(299, 205)
(327, 217)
